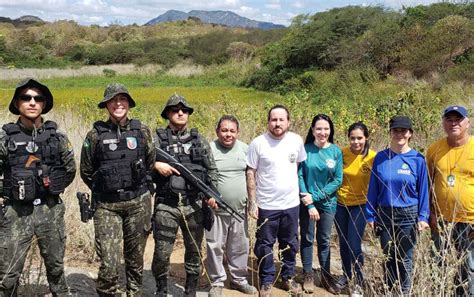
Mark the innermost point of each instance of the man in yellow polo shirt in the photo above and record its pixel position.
(451, 166)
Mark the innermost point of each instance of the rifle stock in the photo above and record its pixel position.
(199, 184)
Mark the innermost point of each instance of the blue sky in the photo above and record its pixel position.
(103, 12)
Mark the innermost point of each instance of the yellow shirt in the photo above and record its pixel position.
(355, 182)
(451, 172)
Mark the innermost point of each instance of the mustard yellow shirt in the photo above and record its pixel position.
(451, 172)
(355, 182)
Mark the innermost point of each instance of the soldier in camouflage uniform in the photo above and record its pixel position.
(177, 203)
(116, 159)
(37, 163)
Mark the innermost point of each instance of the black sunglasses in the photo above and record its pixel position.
(27, 98)
(177, 109)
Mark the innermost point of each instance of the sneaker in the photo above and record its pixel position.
(342, 283)
(215, 291)
(308, 284)
(357, 291)
(329, 286)
(244, 288)
(266, 290)
(291, 286)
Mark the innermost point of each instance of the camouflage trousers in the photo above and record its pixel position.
(21, 223)
(167, 219)
(114, 222)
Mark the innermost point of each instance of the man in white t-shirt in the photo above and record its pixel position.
(273, 198)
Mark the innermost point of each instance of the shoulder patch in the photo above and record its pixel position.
(86, 143)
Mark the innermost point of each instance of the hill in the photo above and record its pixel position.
(227, 18)
(23, 21)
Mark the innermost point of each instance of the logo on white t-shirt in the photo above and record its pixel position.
(330, 163)
(292, 157)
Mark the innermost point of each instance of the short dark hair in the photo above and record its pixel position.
(310, 136)
(365, 130)
(227, 117)
(277, 107)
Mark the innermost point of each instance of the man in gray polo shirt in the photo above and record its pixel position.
(227, 234)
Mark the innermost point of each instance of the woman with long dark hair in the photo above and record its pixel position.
(320, 176)
(398, 204)
(351, 203)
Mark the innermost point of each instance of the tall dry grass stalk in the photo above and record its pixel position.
(16, 74)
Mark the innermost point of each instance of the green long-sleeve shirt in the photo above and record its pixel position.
(321, 175)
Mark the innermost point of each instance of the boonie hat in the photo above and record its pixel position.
(173, 101)
(30, 83)
(461, 110)
(113, 90)
(401, 122)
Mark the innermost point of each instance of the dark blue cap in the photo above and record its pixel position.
(461, 110)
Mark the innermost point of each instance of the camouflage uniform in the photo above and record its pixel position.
(173, 211)
(43, 215)
(121, 214)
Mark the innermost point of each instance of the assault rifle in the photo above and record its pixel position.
(87, 210)
(189, 176)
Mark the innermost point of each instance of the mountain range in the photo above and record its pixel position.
(227, 18)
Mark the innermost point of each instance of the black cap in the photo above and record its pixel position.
(30, 83)
(401, 122)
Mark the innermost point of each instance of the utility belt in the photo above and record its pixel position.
(120, 195)
(173, 200)
(50, 200)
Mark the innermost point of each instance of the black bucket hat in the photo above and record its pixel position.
(113, 90)
(175, 100)
(30, 83)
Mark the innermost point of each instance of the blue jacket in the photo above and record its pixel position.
(398, 180)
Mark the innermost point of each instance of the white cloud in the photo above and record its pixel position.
(298, 4)
(275, 6)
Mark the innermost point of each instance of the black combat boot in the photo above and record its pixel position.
(190, 287)
(161, 287)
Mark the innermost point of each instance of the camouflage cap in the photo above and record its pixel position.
(113, 90)
(173, 101)
(30, 83)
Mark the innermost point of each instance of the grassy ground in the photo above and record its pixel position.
(213, 94)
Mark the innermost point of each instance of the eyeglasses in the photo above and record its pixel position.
(27, 98)
(177, 109)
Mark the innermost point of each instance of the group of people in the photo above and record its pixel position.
(295, 190)
(391, 191)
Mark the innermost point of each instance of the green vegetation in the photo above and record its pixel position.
(419, 41)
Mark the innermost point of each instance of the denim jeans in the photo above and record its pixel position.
(398, 239)
(350, 226)
(459, 234)
(323, 238)
(273, 224)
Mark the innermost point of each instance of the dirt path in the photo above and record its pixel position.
(81, 278)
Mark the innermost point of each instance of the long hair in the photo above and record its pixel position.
(310, 136)
(365, 130)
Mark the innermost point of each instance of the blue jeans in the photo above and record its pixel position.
(323, 239)
(281, 224)
(350, 226)
(461, 237)
(397, 227)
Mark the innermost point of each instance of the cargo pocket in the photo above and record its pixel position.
(57, 176)
(23, 185)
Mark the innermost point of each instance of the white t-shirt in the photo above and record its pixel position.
(276, 163)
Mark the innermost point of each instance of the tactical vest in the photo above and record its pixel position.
(34, 166)
(189, 151)
(121, 172)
